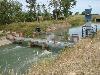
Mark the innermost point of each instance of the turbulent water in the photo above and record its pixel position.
(19, 58)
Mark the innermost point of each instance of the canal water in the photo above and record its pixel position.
(18, 59)
(78, 30)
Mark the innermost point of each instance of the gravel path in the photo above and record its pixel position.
(82, 59)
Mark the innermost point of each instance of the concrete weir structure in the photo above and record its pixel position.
(45, 44)
(88, 30)
(49, 43)
(96, 18)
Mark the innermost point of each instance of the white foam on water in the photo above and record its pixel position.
(50, 37)
(18, 58)
(5, 51)
(13, 48)
(18, 46)
(37, 53)
(45, 52)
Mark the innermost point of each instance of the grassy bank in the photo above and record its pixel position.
(76, 20)
(29, 27)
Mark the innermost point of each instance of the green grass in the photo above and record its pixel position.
(27, 27)
(76, 20)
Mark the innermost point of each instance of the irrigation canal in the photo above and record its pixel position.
(20, 58)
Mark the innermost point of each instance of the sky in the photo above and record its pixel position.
(80, 6)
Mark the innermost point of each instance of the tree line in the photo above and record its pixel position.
(11, 10)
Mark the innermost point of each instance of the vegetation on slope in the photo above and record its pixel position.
(76, 20)
(29, 27)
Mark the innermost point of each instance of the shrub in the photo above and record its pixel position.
(76, 20)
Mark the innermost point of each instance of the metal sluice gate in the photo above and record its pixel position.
(88, 29)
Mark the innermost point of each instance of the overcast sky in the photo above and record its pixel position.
(80, 6)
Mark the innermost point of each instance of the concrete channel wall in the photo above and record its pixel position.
(96, 18)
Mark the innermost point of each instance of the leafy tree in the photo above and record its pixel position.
(70, 13)
(44, 8)
(83, 13)
(66, 5)
(32, 7)
(54, 3)
(56, 13)
(3, 11)
(16, 9)
(46, 14)
(38, 10)
(77, 13)
(9, 11)
(32, 4)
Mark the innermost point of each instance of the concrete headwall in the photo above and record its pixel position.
(96, 18)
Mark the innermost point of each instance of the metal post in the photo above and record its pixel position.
(96, 28)
(86, 31)
(82, 31)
